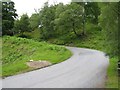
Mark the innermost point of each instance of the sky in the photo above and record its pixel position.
(29, 6)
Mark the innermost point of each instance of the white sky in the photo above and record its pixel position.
(28, 6)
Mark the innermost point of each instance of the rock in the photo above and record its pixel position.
(38, 64)
(31, 60)
(40, 61)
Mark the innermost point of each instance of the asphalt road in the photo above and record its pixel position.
(85, 69)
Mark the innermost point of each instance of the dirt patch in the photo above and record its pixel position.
(38, 64)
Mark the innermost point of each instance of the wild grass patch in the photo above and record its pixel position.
(17, 51)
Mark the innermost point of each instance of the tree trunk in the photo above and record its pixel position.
(74, 30)
(83, 33)
(84, 17)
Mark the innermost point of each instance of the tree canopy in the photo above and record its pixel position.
(22, 25)
(34, 21)
(8, 17)
(60, 19)
(109, 24)
(47, 16)
(0, 10)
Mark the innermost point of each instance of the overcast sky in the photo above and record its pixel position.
(28, 6)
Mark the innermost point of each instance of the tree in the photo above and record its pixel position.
(47, 16)
(0, 18)
(22, 25)
(60, 8)
(109, 22)
(34, 21)
(8, 17)
(91, 11)
(70, 19)
(16, 28)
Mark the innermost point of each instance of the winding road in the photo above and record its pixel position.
(85, 69)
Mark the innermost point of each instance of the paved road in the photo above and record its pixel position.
(85, 69)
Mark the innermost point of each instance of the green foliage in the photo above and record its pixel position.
(63, 24)
(22, 25)
(18, 51)
(59, 9)
(16, 26)
(61, 19)
(109, 22)
(112, 78)
(0, 18)
(35, 35)
(70, 19)
(92, 11)
(47, 15)
(8, 17)
(34, 21)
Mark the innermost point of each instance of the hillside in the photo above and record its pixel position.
(18, 51)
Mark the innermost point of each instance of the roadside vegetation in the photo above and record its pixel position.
(80, 24)
(112, 81)
(0, 56)
(18, 51)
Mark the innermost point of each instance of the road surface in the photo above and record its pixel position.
(85, 69)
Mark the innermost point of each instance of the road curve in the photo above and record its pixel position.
(85, 69)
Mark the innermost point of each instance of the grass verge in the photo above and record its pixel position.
(17, 51)
(112, 74)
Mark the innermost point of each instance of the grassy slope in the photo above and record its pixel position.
(112, 81)
(17, 51)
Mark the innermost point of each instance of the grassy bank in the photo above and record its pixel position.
(112, 78)
(17, 51)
